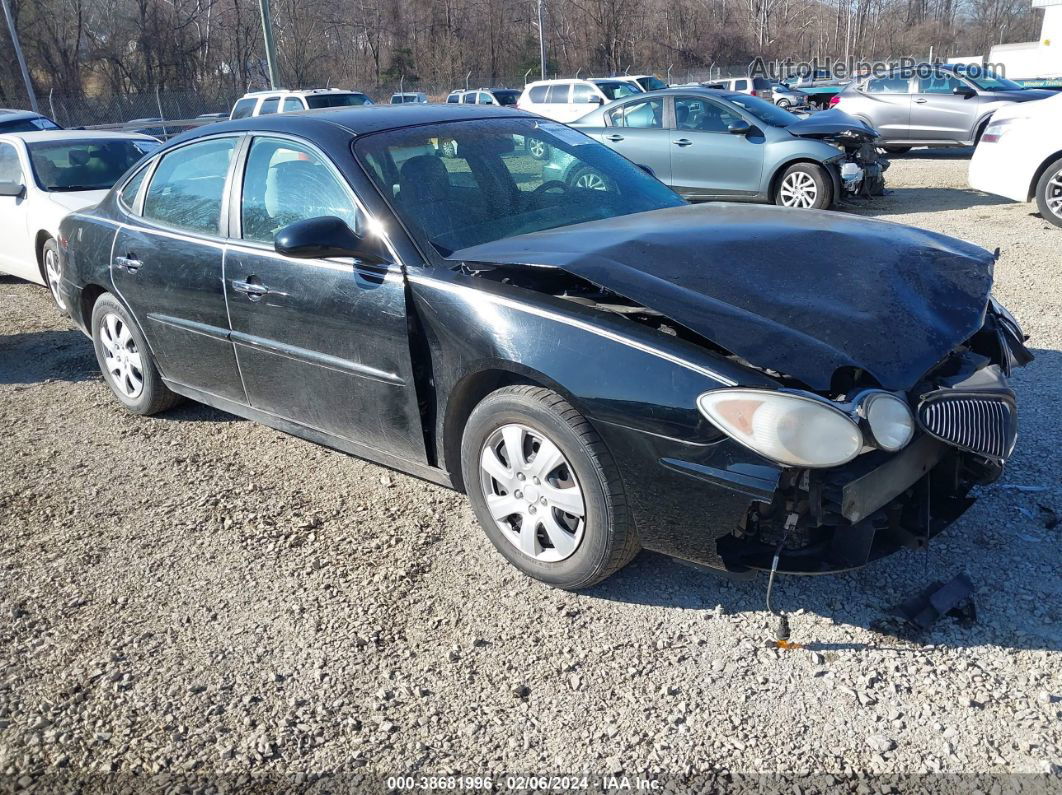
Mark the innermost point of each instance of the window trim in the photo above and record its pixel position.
(148, 170)
(223, 218)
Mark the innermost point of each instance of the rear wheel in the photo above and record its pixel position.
(52, 272)
(1049, 193)
(126, 361)
(545, 489)
(538, 148)
(805, 186)
(588, 178)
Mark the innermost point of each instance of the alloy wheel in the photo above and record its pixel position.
(532, 493)
(591, 180)
(537, 148)
(798, 190)
(1053, 195)
(122, 357)
(53, 273)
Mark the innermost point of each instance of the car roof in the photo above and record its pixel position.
(13, 114)
(42, 136)
(360, 120)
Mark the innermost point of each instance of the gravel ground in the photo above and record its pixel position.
(196, 593)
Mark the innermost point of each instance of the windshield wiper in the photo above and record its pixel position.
(65, 188)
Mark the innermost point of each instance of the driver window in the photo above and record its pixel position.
(938, 84)
(10, 170)
(697, 114)
(285, 182)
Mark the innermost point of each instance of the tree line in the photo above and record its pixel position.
(98, 47)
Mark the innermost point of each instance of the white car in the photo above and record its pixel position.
(568, 100)
(281, 100)
(1019, 156)
(44, 176)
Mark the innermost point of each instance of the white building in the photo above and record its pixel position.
(1031, 59)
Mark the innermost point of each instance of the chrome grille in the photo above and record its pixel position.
(986, 425)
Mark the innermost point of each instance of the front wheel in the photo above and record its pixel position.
(126, 361)
(545, 489)
(1049, 193)
(52, 272)
(784, 103)
(805, 186)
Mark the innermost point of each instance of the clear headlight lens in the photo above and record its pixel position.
(890, 421)
(789, 429)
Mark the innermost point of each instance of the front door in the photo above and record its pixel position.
(938, 113)
(707, 159)
(167, 267)
(321, 342)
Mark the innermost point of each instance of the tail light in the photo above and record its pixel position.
(835, 100)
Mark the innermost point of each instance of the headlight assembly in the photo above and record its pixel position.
(790, 429)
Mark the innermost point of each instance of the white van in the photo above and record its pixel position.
(568, 100)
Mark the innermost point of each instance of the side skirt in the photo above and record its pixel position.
(414, 468)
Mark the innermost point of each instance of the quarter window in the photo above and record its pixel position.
(886, 85)
(188, 185)
(132, 187)
(269, 105)
(286, 182)
(244, 108)
(10, 170)
(538, 94)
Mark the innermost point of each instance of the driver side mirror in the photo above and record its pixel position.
(327, 236)
(14, 189)
(596, 100)
(964, 91)
(739, 128)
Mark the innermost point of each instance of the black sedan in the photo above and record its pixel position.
(600, 370)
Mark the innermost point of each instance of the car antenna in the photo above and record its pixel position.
(781, 627)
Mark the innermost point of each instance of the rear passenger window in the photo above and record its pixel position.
(645, 114)
(269, 105)
(538, 94)
(886, 85)
(188, 184)
(741, 85)
(244, 108)
(292, 104)
(132, 188)
(558, 93)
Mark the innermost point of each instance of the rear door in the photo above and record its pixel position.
(167, 266)
(320, 342)
(937, 113)
(636, 130)
(887, 105)
(708, 160)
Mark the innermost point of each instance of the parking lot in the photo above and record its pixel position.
(196, 593)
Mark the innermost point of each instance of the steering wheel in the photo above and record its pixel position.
(550, 185)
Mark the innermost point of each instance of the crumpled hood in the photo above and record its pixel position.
(830, 123)
(801, 292)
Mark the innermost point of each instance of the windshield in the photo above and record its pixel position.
(765, 111)
(87, 164)
(507, 97)
(460, 184)
(651, 83)
(618, 89)
(28, 125)
(318, 101)
(987, 81)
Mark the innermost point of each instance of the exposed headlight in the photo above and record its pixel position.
(889, 419)
(790, 429)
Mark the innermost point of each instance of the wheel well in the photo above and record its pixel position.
(38, 248)
(1048, 162)
(89, 295)
(777, 177)
(464, 397)
(980, 129)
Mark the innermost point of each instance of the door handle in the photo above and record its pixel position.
(682, 142)
(128, 264)
(614, 137)
(921, 101)
(254, 292)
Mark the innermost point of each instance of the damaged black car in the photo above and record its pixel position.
(600, 369)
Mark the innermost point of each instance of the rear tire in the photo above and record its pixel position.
(1049, 193)
(518, 505)
(804, 186)
(126, 361)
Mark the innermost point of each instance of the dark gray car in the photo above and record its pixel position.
(940, 105)
(709, 144)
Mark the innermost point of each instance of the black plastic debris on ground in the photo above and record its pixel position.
(952, 598)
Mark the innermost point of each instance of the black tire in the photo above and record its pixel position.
(153, 395)
(1049, 187)
(784, 103)
(538, 148)
(591, 179)
(609, 541)
(897, 150)
(51, 268)
(823, 186)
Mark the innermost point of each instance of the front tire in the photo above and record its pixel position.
(52, 272)
(784, 104)
(545, 489)
(804, 186)
(125, 360)
(1049, 193)
(897, 150)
